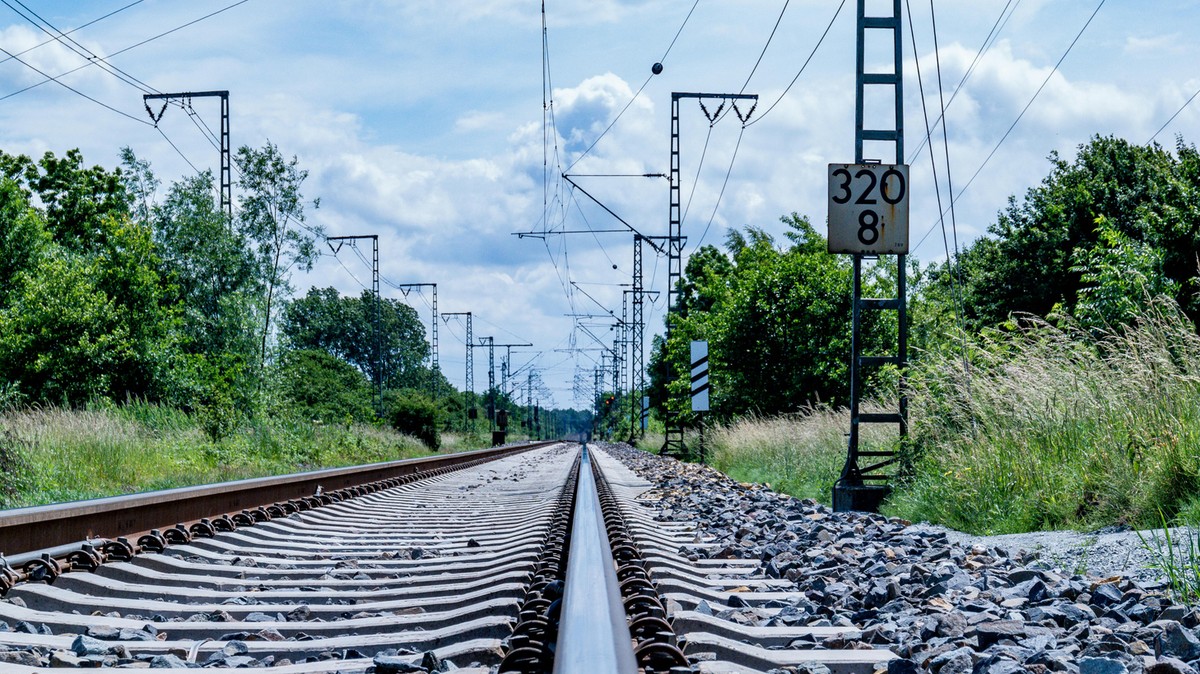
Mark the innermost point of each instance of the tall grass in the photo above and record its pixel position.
(1058, 427)
(799, 454)
(51, 455)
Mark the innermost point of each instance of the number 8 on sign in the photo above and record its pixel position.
(868, 209)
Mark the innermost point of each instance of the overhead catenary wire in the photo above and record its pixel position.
(1172, 119)
(804, 66)
(1008, 132)
(73, 45)
(52, 78)
(988, 41)
(639, 91)
(76, 29)
(73, 90)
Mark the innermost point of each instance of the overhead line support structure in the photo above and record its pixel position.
(637, 326)
(226, 165)
(506, 366)
(470, 366)
(434, 366)
(673, 444)
(862, 484)
(376, 318)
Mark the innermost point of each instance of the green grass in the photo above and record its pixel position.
(1059, 428)
(1177, 561)
(53, 455)
(800, 454)
(1055, 428)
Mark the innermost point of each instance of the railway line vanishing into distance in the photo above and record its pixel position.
(533, 558)
(550, 557)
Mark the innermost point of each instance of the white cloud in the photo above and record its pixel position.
(1156, 45)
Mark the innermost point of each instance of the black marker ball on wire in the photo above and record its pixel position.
(656, 68)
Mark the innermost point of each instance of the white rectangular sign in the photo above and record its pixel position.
(700, 376)
(868, 208)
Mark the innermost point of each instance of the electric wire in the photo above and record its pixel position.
(988, 42)
(75, 29)
(721, 194)
(696, 181)
(763, 53)
(639, 91)
(952, 263)
(68, 87)
(1172, 119)
(49, 78)
(1003, 138)
(177, 150)
(73, 45)
(588, 225)
(945, 133)
(804, 66)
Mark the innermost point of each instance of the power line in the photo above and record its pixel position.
(76, 29)
(763, 53)
(1172, 119)
(724, 184)
(75, 46)
(49, 78)
(988, 42)
(73, 89)
(804, 66)
(639, 91)
(1003, 138)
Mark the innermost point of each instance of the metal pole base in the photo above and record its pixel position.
(859, 497)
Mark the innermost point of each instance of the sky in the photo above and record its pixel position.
(443, 127)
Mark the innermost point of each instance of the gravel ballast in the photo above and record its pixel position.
(943, 601)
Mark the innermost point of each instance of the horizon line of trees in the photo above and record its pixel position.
(108, 291)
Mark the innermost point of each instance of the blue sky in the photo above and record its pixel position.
(422, 121)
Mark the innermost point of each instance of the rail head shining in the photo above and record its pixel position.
(593, 635)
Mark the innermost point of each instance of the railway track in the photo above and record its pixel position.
(530, 559)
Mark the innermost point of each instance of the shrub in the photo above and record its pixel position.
(415, 414)
(316, 385)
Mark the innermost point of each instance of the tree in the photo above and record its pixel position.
(1032, 264)
(272, 218)
(316, 385)
(414, 413)
(80, 326)
(76, 200)
(211, 267)
(777, 322)
(345, 327)
(23, 236)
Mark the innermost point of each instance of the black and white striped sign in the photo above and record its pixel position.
(700, 376)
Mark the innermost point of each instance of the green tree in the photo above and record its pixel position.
(414, 413)
(80, 326)
(317, 385)
(272, 218)
(777, 322)
(1142, 194)
(76, 200)
(1120, 278)
(211, 267)
(23, 236)
(345, 327)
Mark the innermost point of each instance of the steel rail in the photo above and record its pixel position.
(593, 635)
(50, 528)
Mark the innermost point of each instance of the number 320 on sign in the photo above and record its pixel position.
(868, 208)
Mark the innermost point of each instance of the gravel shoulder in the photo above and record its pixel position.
(1104, 553)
